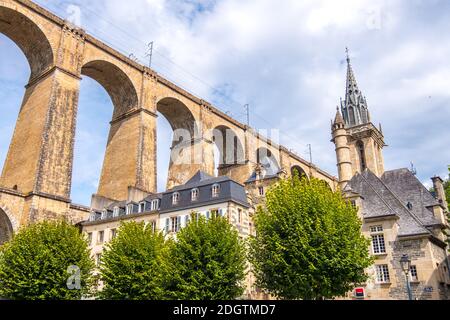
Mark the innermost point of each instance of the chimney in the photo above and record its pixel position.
(438, 185)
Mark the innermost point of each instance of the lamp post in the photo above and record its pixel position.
(406, 267)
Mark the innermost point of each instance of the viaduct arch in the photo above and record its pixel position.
(36, 178)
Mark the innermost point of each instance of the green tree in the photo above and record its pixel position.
(208, 261)
(309, 243)
(46, 261)
(132, 266)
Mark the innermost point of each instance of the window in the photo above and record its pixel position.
(98, 259)
(175, 198)
(101, 237)
(207, 215)
(352, 115)
(113, 233)
(141, 207)
(116, 211)
(240, 215)
(215, 212)
(362, 157)
(176, 224)
(194, 194)
(378, 243)
(89, 236)
(92, 216)
(382, 273)
(154, 205)
(167, 227)
(104, 214)
(413, 274)
(153, 226)
(376, 229)
(215, 191)
(261, 191)
(409, 206)
(353, 203)
(130, 208)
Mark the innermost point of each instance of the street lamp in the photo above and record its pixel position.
(406, 267)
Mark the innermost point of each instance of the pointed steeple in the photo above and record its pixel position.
(338, 119)
(354, 107)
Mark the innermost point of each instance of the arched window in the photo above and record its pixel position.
(116, 211)
(361, 153)
(175, 198)
(351, 114)
(215, 190)
(194, 194)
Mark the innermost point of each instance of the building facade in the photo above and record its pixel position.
(399, 215)
(169, 212)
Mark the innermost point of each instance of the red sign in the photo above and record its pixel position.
(359, 293)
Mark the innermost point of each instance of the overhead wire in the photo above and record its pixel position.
(166, 69)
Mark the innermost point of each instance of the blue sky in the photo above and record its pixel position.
(286, 59)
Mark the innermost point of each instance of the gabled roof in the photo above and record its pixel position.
(153, 197)
(380, 201)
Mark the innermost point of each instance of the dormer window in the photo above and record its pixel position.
(141, 207)
(175, 198)
(216, 191)
(194, 194)
(104, 214)
(92, 216)
(116, 211)
(409, 206)
(129, 209)
(154, 205)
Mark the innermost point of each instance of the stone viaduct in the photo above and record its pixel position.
(35, 183)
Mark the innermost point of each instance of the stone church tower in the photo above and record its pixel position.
(358, 142)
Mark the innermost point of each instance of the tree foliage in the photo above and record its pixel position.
(207, 261)
(36, 263)
(132, 266)
(309, 243)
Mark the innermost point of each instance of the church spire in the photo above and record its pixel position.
(354, 107)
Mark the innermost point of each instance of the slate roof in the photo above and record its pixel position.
(389, 196)
(200, 179)
(408, 188)
(230, 190)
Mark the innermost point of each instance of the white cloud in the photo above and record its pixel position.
(284, 58)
